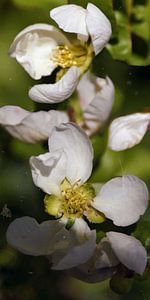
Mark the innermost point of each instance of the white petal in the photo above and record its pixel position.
(32, 238)
(129, 251)
(57, 92)
(100, 107)
(38, 126)
(48, 171)
(33, 48)
(104, 256)
(123, 200)
(99, 27)
(125, 132)
(12, 115)
(78, 149)
(71, 18)
(81, 249)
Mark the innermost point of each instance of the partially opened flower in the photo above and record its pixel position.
(114, 249)
(128, 131)
(42, 48)
(96, 97)
(65, 248)
(30, 127)
(62, 174)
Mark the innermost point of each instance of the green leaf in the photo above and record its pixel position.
(39, 3)
(132, 41)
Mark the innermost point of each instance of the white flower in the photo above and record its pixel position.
(65, 248)
(62, 173)
(89, 22)
(128, 131)
(41, 48)
(96, 97)
(112, 250)
(30, 127)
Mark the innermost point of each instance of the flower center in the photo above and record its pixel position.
(67, 57)
(73, 201)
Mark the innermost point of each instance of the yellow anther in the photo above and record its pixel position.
(70, 56)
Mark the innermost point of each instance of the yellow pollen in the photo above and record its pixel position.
(69, 56)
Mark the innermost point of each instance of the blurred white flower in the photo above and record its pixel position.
(41, 48)
(128, 131)
(62, 174)
(30, 127)
(65, 248)
(96, 97)
(112, 250)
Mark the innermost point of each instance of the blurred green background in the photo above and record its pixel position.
(23, 277)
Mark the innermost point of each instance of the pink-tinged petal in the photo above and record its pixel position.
(12, 115)
(80, 250)
(57, 92)
(71, 18)
(122, 199)
(73, 141)
(128, 250)
(99, 27)
(128, 131)
(48, 171)
(31, 238)
(33, 49)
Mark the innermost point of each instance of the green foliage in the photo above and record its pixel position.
(132, 41)
(49, 4)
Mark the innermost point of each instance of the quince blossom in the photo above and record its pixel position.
(30, 127)
(114, 249)
(62, 174)
(128, 131)
(42, 48)
(96, 97)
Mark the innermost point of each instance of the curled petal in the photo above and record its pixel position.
(12, 115)
(57, 92)
(79, 251)
(48, 171)
(78, 149)
(33, 49)
(29, 237)
(96, 96)
(71, 18)
(99, 27)
(129, 251)
(37, 126)
(126, 132)
(122, 199)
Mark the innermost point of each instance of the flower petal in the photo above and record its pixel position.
(100, 107)
(99, 27)
(32, 238)
(71, 18)
(122, 199)
(37, 126)
(81, 249)
(78, 149)
(12, 115)
(33, 48)
(48, 171)
(126, 132)
(129, 251)
(104, 256)
(58, 92)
